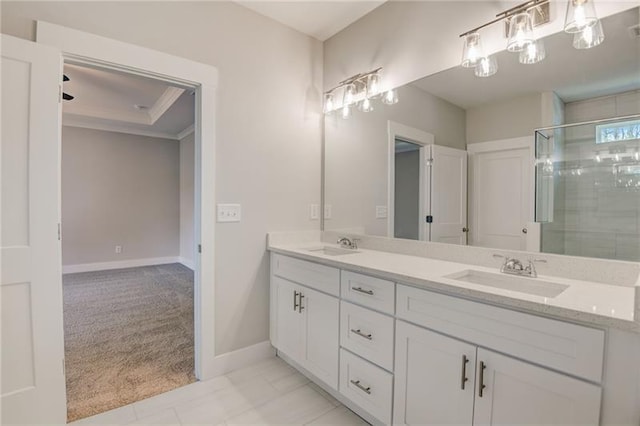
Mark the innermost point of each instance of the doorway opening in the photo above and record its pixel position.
(128, 246)
(408, 187)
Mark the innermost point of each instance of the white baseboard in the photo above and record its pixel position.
(104, 266)
(244, 357)
(187, 262)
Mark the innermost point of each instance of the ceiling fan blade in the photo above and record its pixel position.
(65, 78)
(67, 97)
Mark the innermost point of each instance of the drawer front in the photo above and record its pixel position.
(374, 293)
(368, 386)
(571, 348)
(314, 275)
(367, 333)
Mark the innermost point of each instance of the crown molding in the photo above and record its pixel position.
(186, 132)
(80, 122)
(164, 102)
(133, 116)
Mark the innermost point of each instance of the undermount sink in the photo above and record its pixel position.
(532, 286)
(331, 251)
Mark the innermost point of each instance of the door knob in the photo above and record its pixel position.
(465, 229)
(524, 230)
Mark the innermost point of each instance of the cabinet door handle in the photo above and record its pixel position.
(481, 384)
(295, 300)
(361, 334)
(362, 290)
(357, 384)
(463, 378)
(300, 307)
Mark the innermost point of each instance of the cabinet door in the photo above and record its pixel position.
(515, 392)
(434, 378)
(289, 320)
(321, 343)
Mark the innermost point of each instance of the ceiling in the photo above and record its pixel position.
(319, 19)
(573, 74)
(126, 103)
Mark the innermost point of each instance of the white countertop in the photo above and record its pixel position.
(583, 301)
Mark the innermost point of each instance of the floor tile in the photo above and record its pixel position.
(325, 394)
(261, 368)
(297, 407)
(339, 416)
(166, 417)
(290, 382)
(119, 416)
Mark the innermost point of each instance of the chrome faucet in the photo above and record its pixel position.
(346, 242)
(513, 266)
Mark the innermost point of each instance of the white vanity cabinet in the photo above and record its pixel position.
(304, 322)
(442, 380)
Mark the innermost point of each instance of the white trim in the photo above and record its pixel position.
(500, 145)
(244, 357)
(185, 132)
(132, 117)
(118, 264)
(189, 263)
(163, 103)
(77, 121)
(419, 137)
(100, 52)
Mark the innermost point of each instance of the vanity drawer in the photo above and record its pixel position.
(567, 347)
(314, 275)
(368, 386)
(367, 333)
(374, 293)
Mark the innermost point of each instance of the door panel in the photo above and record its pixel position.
(32, 386)
(290, 322)
(322, 335)
(518, 393)
(448, 195)
(428, 378)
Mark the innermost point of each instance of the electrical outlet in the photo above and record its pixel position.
(314, 211)
(327, 211)
(229, 212)
(118, 249)
(381, 212)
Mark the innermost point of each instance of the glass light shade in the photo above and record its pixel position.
(580, 14)
(589, 37)
(329, 104)
(390, 97)
(373, 85)
(472, 50)
(520, 32)
(346, 111)
(366, 105)
(349, 94)
(486, 67)
(533, 53)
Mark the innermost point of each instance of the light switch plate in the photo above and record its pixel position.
(381, 212)
(229, 212)
(314, 211)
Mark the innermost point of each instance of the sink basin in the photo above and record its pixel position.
(331, 251)
(526, 285)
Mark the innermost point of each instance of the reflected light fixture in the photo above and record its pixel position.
(359, 90)
(580, 15)
(533, 53)
(472, 50)
(589, 37)
(520, 32)
(486, 67)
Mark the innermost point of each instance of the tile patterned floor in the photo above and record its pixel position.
(269, 392)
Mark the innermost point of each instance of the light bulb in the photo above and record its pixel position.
(487, 67)
(520, 32)
(472, 50)
(365, 105)
(533, 53)
(589, 37)
(329, 105)
(349, 94)
(346, 112)
(373, 85)
(390, 97)
(598, 158)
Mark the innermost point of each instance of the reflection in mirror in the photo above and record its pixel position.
(575, 192)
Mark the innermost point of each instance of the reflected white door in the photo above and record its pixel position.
(448, 195)
(501, 193)
(32, 385)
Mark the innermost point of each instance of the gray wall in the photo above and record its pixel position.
(187, 162)
(267, 126)
(118, 189)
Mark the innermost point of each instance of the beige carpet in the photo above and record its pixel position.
(128, 336)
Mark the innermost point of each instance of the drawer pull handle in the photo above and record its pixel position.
(481, 384)
(357, 384)
(361, 334)
(464, 379)
(362, 290)
(295, 300)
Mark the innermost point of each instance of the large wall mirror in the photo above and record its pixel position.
(500, 161)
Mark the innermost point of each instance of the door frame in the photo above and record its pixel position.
(96, 51)
(473, 149)
(419, 137)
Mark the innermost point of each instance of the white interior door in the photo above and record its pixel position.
(448, 195)
(32, 385)
(502, 194)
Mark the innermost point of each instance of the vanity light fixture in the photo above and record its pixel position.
(472, 50)
(580, 15)
(589, 37)
(520, 32)
(487, 67)
(533, 53)
(359, 90)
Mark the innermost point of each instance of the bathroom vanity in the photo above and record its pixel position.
(410, 339)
